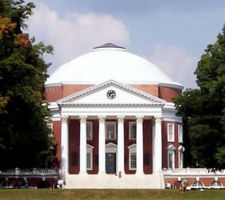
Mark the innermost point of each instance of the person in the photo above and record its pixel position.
(184, 184)
(60, 183)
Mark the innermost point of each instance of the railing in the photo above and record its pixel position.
(21, 172)
(192, 171)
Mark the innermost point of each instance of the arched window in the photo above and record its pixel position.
(132, 157)
(180, 156)
(171, 156)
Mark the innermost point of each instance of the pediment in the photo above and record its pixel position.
(111, 145)
(111, 93)
(132, 146)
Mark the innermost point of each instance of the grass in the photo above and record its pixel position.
(47, 194)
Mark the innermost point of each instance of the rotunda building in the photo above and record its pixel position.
(114, 120)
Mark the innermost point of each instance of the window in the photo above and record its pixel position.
(133, 161)
(132, 157)
(180, 156)
(110, 130)
(132, 130)
(170, 132)
(171, 157)
(180, 133)
(89, 130)
(89, 161)
(50, 126)
(89, 157)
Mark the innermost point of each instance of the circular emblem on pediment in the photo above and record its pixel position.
(111, 94)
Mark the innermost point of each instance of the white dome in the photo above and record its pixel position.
(109, 62)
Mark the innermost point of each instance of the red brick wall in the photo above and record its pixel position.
(151, 89)
(147, 142)
(70, 89)
(147, 146)
(74, 146)
(168, 94)
(127, 143)
(165, 143)
(53, 94)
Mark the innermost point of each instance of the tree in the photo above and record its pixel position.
(24, 135)
(203, 109)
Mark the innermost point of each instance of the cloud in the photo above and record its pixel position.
(75, 33)
(176, 63)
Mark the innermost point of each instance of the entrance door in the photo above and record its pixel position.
(110, 163)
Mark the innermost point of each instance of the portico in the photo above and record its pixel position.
(114, 146)
(117, 135)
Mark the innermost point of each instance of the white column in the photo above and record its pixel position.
(101, 145)
(120, 145)
(139, 145)
(64, 144)
(157, 139)
(83, 145)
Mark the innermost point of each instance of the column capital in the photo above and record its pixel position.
(64, 118)
(83, 118)
(101, 118)
(139, 119)
(158, 119)
(120, 118)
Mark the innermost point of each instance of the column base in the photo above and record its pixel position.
(139, 173)
(83, 173)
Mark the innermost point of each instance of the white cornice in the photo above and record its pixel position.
(110, 104)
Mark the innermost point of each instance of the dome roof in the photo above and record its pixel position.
(110, 62)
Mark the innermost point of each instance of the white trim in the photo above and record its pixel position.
(172, 139)
(110, 148)
(181, 148)
(91, 129)
(130, 128)
(132, 150)
(115, 132)
(175, 86)
(174, 119)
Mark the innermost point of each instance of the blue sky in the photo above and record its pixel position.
(172, 34)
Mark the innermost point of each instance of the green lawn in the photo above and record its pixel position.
(47, 194)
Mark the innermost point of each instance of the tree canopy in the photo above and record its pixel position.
(24, 134)
(203, 109)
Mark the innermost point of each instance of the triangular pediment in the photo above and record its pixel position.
(111, 93)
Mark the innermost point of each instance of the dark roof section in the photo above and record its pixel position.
(109, 45)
